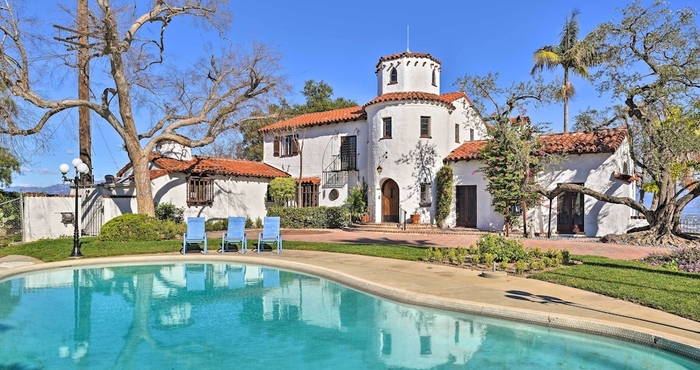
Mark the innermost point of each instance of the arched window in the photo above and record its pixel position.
(434, 78)
(393, 76)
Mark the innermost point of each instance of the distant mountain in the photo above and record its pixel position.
(52, 189)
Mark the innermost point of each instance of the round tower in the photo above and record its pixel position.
(408, 72)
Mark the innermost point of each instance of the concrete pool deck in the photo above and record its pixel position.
(449, 288)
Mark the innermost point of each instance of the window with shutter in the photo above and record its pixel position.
(348, 153)
(276, 147)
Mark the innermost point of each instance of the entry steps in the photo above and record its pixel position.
(396, 228)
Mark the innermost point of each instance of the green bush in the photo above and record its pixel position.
(248, 223)
(170, 229)
(216, 224)
(168, 211)
(132, 227)
(488, 259)
(452, 256)
(565, 256)
(520, 267)
(258, 223)
(476, 258)
(311, 217)
(503, 265)
(501, 248)
(444, 182)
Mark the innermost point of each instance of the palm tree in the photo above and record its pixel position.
(571, 54)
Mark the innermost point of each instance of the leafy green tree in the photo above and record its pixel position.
(282, 190)
(510, 155)
(572, 55)
(652, 68)
(444, 182)
(318, 99)
(8, 165)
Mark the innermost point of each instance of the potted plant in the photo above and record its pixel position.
(364, 218)
(415, 218)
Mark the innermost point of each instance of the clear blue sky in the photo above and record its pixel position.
(340, 43)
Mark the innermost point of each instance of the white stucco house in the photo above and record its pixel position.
(395, 143)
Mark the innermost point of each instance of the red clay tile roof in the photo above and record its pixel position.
(603, 141)
(406, 54)
(467, 151)
(318, 118)
(210, 166)
(310, 180)
(411, 95)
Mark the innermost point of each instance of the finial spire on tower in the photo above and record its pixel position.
(408, 39)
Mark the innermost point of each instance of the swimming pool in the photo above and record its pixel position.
(222, 315)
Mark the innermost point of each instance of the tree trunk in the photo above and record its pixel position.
(565, 95)
(142, 182)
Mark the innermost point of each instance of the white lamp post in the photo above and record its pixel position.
(80, 168)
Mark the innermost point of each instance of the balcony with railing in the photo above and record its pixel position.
(335, 175)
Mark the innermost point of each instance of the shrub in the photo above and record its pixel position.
(168, 211)
(520, 267)
(444, 181)
(501, 248)
(488, 259)
(503, 265)
(537, 265)
(248, 222)
(428, 254)
(282, 190)
(461, 258)
(475, 259)
(170, 229)
(132, 227)
(216, 224)
(258, 223)
(356, 202)
(438, 255)
(682, 259)
(311, 217)
(452, 256)
(535, 252)
(565, 256)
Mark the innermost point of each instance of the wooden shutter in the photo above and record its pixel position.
(295, 145)
(276, 149)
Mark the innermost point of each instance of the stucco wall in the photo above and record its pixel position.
(235, 196)
(320, 145)
(413, 74)
(42, 217)
(467, 173)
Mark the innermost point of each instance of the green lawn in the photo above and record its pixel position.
(670, 291)
(674, 292)
(59, 249)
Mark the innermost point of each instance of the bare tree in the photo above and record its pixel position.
(202, 100)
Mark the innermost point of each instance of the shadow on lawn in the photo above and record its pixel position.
(651, 269)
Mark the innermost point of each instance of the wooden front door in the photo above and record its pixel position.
(390, 201)
(570, 213)
(466, 206)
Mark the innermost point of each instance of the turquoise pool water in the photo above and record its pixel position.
(226, 316)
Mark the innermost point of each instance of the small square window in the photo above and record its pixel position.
(387, 128)
(425, 127)
(425, 199)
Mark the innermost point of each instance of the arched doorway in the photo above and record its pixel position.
(390, 201)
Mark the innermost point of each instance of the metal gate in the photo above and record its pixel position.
(10, 219)
(92, 214)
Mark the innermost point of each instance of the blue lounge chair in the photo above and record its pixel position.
(270, 233)
(195, 234)
(235, 234)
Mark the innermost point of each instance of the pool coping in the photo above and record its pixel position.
(653, 338)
